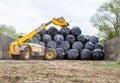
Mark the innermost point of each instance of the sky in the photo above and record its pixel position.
(26, 15)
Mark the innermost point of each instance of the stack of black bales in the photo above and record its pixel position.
(71, 44)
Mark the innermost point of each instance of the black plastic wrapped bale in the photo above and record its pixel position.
(75, 31)
(64, 45)
(42, 43)
(58, 38)
(85, 54)
(87, 36)
(82, 38)
(78, 46)
(91, 52)
(64, 31)
(46, 38)
(52, 31)
(38, 37)
(72, 54)
(98, 46)
(94, 39)
(60, 53)
(66, 51)
(98, 54)
(42, 32)
(51, 44)
(89, 45)
(70, 39)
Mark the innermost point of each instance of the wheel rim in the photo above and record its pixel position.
(27, 53)
(50, 54)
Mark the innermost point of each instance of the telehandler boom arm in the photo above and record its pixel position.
(57, 21)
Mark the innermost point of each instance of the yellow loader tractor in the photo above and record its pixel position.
(28, 45)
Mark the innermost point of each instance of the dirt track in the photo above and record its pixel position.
(58, 71)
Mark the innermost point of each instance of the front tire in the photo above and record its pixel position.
(26, 54)
(50, 54)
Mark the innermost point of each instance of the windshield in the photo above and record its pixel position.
(34, 40)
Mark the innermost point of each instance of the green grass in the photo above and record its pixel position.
(118, 62)
(115, 65)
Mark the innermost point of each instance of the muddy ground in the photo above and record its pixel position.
(58, 71)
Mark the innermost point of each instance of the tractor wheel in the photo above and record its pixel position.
(50, 54)
(15, 57)
(26, 54)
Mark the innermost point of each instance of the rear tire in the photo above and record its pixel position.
(50, 54)
(26, 54)
(15, 57)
